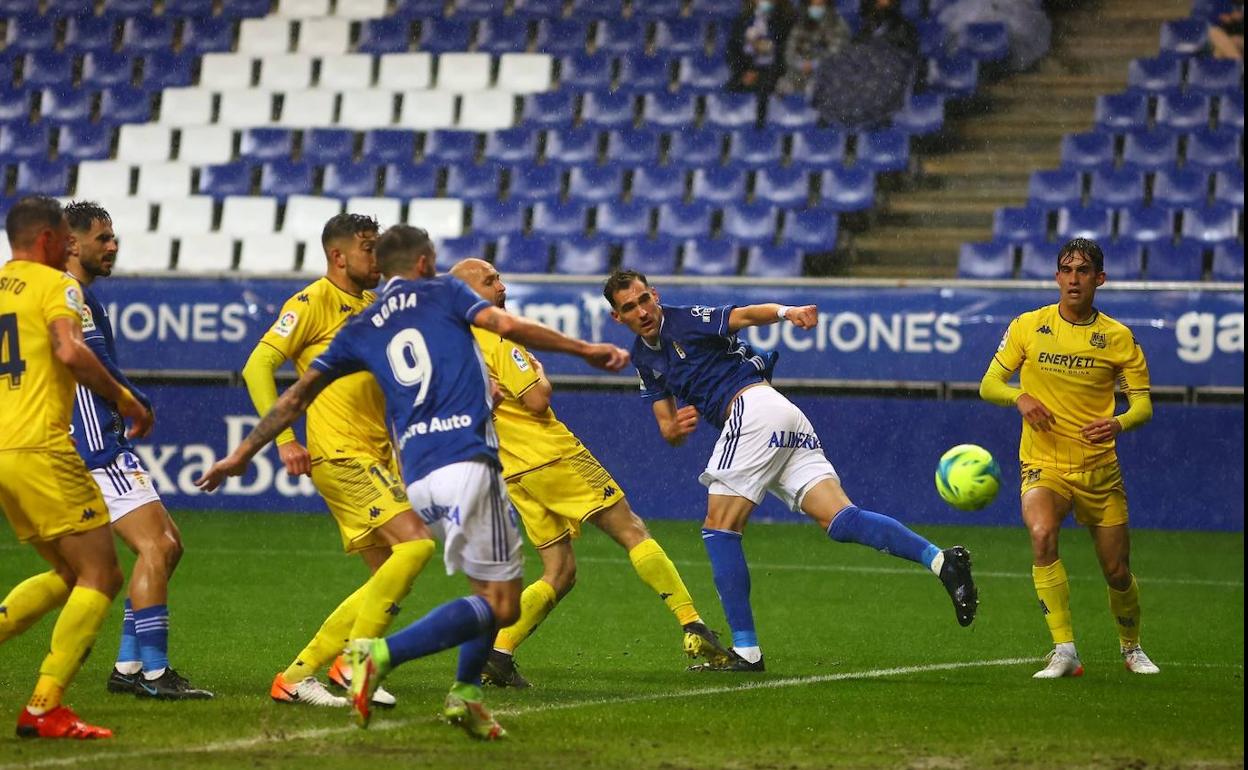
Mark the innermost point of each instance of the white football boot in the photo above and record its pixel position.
(1137, 662)
(1060, 664)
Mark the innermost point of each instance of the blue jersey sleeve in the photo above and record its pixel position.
(340, 358)
(651, 390)
(706, 321)
(465, 302)
(98, 346)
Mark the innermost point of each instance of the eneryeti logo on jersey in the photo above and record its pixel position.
(522, 363)
(1045, 330)
(393, 304)
(703, 312)
(788, 439)
(88, 320)
(1097, 340)
(286, 323)
(679, 350)
(1066, 361)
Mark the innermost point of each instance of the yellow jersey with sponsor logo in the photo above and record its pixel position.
(525, 440)
(36, 389)
(348, 416)
(1072, 369)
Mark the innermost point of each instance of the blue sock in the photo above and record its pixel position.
(446, 626)
(129, 650)
(732, 581)
(472, 656)
(854, 525)
(151, 625)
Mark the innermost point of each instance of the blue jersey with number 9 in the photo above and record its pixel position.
(417, 341)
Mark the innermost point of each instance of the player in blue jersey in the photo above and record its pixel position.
(137, 514)
(417, 341)
(692, 356)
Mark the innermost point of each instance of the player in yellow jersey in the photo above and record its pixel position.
(1071, 356)
(556, 484)
(348, 456)
(46, 491)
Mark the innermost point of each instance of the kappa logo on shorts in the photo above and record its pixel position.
(87, 514)
(607, 491)
(374, 512)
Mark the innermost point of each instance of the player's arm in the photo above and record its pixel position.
(71, 350)
(1134, 383)
(535, 335)
(536, 398)
(803, 317)
(995, 386)
(675, 424)
(100, 349)
(260, 376)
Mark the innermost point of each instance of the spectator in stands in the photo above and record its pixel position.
(867, 81)
(818, 32)
(1226, 33)
(883, 22)
(756, 45)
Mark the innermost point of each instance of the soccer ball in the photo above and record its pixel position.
(968, 477)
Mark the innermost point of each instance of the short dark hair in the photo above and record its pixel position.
(347, 225)
(621, 279)
(30, 215)
(400, 247)
(1089, 248)
(81, 214)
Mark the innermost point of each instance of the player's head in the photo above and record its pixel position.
(407, 252)
(94, 247)
(38, 231)
(349, 241)
(482, 278)
(1080, 270)
(634, 302)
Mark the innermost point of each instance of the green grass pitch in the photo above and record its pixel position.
(866, 664)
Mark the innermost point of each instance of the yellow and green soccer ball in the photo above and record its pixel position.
(968, 477)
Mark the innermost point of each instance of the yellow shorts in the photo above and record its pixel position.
(1097, 496)
(554, 499)
(362, 493)
(49, 494)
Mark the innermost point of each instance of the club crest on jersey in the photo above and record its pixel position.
(679, 350)
(286, 323)
(703, 312)
(1097, 340)
(522, 363)
(88, 320)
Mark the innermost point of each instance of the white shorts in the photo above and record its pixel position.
(465, 504)
(125, 485)
(767, 445)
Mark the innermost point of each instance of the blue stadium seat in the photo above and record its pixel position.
(127, 7)
(531, 182)
(621, 36)
(596, 9)
(125, 104)
(582, 255)
(1214, 150)
(102, 69)
(847, 189)
(261, 144)
(1127, 111)
(685, 220)
(1150, 149)
(658, 9)
(48, 69)
(345, 179)
(1183, 112)
(389, 145)
(931, 32)
(991, 260)
(1020, 224)
(14, 106)
(1180, 187)
(85, 141)
(750, 223)
(328, 145)
(953, 76)
(719, 184)
(283, 178)
(13, 8)
(1228, 262)
(658, 184)
(1087, 151)
(699, 147)
(66, 105)
(202, 35)
(1037, 260)
(1117, 187)
(783, 186)
(680, 37)
(90, 33)
(1211, 224)
(379, 36)
(709, 257)
(1124, 260)
(1215, 76)
(188, 9)
(32, 33)
(585, 72)
(723, 9)
(572, 145)
(818, 147)
(605, 109)
(633, 146)
(1184, 37)
(986, 41)
(63, 8)
(562, 36)
(473, 183)
(166, 69)
(770, 260)
(541, 9)
(791, 111)
(444, 35)
(884, 150)
(596, 183)
(549, 110)
(409, 180)
(650, 256)
(1228, 187)
(620, 219)
(522, 254)
(755, 147)
(1231, 111)
(147, 34)
(922, 115)
(1095, 222)
(447, 146)
(511, 145)
(1056, 188)
(497, 218)
(452, 250)
(23, 141)
(814, 230)
(40, 176)
(1182, 261)
(1164, 73)
(559, 220)
(419, 9)
(1147, 224)
(225, 179)
(245, 9)
(704, 73)
(669, 110)
(731, 110)
(501, 34)
(644, 73)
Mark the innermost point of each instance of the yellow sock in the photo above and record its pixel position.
(1053, 588)
(379, 604)
(1125, 607)
(535, 604)
(30, 600)
(658, 572)
(72, 637)
(329, 640)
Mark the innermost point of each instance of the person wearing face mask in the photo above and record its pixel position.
(756, 45)
(863, 84)
(819, 32)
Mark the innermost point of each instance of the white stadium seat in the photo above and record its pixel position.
(464, 71)
(306, 216)
(302, 9)
(428, 109)
(486, 110)
(405, 71)
(206, 253)
(221, 71)
(360, 9)
(205, 145)
(261, 36)
(369, 108)
(387, 211)
(342, 72)
(286, 71)
(144, 142)
(243, 215)
(440, 217)
(186, 106)
(144, 252)
(159, 181)
(324, 36)
(102, 179)
(129, 215)
(308, 109)
(268, 253)
(245, 108)
(6, 251)
(191, 215)
(524, 73)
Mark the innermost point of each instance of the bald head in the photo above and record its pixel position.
(482, 278)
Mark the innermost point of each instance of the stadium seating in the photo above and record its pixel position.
(993, 260)
(1182, 261)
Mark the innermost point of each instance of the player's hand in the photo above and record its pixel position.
(296, 458)
(141, 418)
(496, 394)
(605, 356)
(1101, 431)
(686, 422)
(804, 317)
(222, 469)
(1035, 413)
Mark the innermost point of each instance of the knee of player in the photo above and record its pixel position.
(506, 610)
(1118, 574)
(561, 575)
(1044, 535)
(165, 550)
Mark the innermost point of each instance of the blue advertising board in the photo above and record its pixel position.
(945, 333)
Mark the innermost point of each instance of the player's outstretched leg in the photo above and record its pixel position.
(298, 683)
